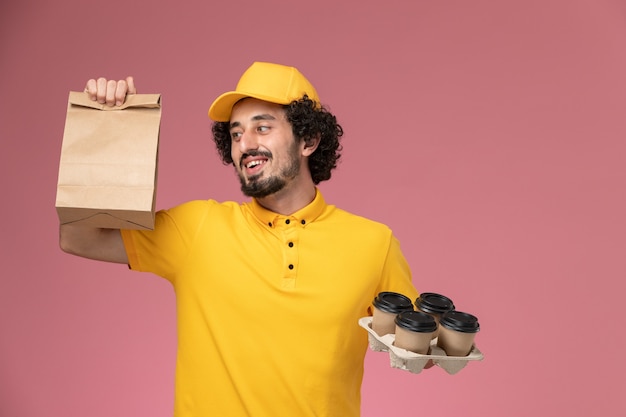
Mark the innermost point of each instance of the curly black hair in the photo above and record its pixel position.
(308, 120)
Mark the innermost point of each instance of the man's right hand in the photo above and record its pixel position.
(110, 92)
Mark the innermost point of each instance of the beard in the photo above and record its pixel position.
(258, 187)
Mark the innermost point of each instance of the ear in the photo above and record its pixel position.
(310, 145)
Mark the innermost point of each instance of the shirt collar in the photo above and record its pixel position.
(303, 216)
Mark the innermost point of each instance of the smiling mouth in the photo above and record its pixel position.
(255, 163)
(252, 162)
(253, 169)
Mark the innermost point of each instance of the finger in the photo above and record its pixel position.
(120, 92)
(110, 92)
(101, 90)
(130, 81)
(91, 89)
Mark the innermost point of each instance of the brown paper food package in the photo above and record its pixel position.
(108, 165)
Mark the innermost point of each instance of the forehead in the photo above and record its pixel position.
(249, 108)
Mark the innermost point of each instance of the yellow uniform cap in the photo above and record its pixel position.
(265, 81)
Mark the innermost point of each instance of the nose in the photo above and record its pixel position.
(247, 141)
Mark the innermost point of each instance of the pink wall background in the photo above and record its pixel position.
(489, 135)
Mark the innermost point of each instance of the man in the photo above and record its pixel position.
(269, 292)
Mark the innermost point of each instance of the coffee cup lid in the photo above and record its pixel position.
(430, 302)
(460, 321)
(392, 302)
(416, 321)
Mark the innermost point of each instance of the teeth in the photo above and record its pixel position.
(253, 164)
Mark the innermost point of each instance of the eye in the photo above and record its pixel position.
(263, 129)
(235, 136)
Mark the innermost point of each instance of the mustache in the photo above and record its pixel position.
(266, 154)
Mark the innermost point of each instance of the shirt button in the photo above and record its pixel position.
(291, 244)
(270, 224)
(287, 221)
(303, 222)
(290, 266)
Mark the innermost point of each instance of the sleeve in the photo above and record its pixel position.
(396, 273)
(162, 250)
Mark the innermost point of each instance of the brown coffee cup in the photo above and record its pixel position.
(435, 305)
(414, 330)
(387, 305)
(457, 331)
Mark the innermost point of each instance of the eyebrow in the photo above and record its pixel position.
(264, 116)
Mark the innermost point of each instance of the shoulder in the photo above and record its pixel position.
(201, 205)
(197, 209)
(355, 222)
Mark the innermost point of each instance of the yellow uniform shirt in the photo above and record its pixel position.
(268, 305)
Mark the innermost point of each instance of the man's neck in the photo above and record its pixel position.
(288, 201)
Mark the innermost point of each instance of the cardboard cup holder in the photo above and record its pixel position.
(415, 362)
